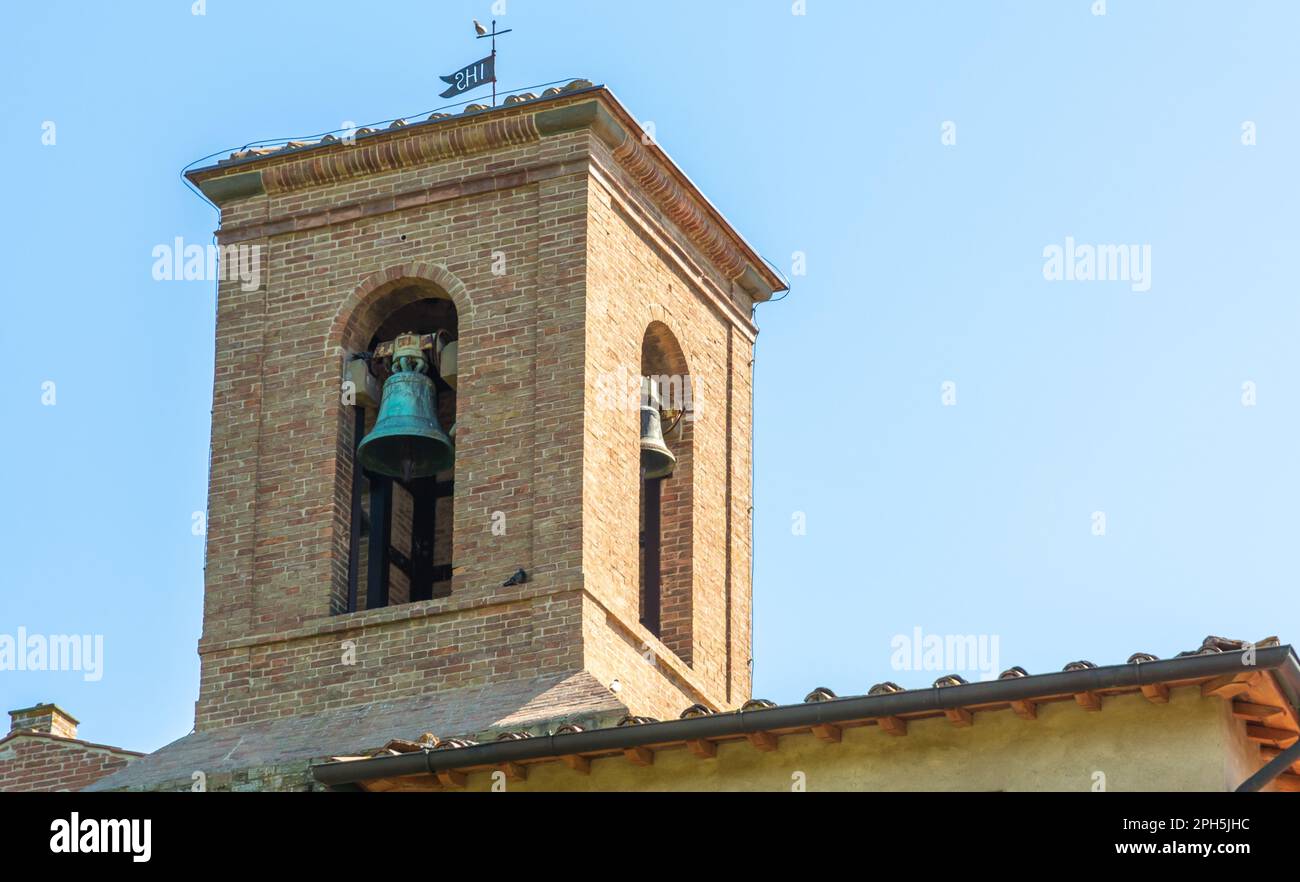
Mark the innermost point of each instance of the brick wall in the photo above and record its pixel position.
(48, 718)
(40, 762)
(634, 292)
(348, 237)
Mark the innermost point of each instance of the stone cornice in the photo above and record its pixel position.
(594, 109)
(427, 144)
(398, 616)
(365, 208)
(633, 213)
(388, 616)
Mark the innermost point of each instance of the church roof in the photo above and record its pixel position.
(578, 699)
(18, 734)
(1219, 667)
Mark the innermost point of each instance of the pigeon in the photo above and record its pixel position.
(518, 578)
(482, 31)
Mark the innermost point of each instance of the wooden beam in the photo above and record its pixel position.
(381, 526)
(1270, 735)
(1269, 753)
(640, 756)
(1026, 710)
(424, 526)
(577, 763)
(828, 733)
(652, 555)
(1156, 693)
(422, 784)
(764, 741)
(959, 717)
(1288, 783)
(893, 725)
(452, 778)
(1255, 713)
(358, 513)
(702, 748)
(514, 771)
(1089, 701)
(1229, 686)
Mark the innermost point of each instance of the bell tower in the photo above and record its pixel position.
(481, 434)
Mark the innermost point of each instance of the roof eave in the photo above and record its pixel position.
(1279, 660)
(50, 736)
(241, 178)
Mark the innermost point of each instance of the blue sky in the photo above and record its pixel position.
(819, 134)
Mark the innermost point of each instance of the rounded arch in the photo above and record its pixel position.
(411, 519)
(666, 570)
(662, 324)
(382, 293)
(662, 352)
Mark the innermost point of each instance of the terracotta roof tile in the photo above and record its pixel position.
(468, 110)
(1020, 692)
(455, 744)
(631, 720)
(885, 688)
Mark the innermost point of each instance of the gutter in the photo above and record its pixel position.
(1280, 660)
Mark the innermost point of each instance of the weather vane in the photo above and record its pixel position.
(481, 72)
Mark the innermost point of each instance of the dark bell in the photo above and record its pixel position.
(407, 442)
(657, 461)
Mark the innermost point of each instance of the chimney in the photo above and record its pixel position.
(48, 718)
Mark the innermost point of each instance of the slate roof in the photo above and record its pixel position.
(579, 698)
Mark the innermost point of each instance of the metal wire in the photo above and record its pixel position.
(317, 137)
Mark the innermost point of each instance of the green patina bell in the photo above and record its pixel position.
(407, 442)
(657, 461)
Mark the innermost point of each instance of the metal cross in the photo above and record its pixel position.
(493, 35)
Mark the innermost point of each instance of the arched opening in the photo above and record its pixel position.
(399, 524)
(666, 501)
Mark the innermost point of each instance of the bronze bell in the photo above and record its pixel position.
(657, 461)
(407, 442)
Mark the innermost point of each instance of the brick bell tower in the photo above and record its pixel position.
(547, 255)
